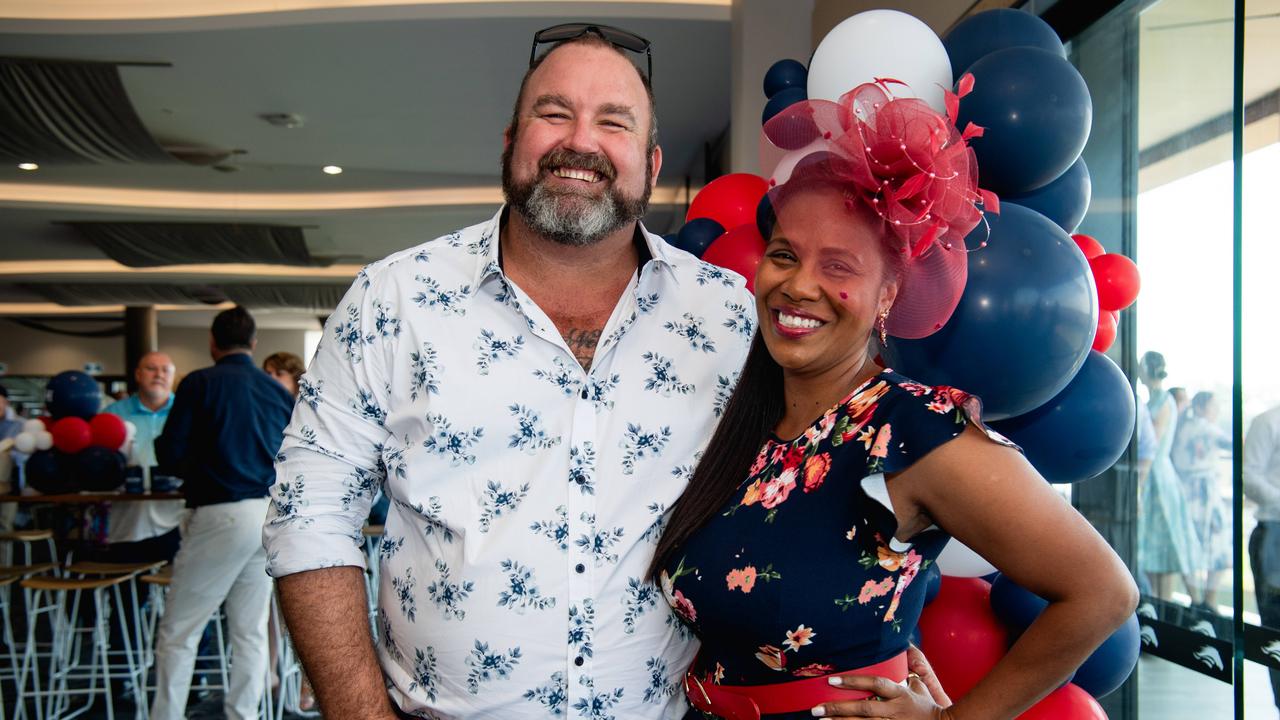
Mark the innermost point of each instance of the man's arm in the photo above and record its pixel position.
(327, 615)
(172, 443)
(328, 471)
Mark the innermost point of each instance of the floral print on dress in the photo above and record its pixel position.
(801, 565)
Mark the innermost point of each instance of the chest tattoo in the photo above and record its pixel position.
(583, 344)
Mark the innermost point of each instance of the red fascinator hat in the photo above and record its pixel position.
(910, 165)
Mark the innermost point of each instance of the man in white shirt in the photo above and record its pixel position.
(144, 531)
(1262, 485)
(532, 393)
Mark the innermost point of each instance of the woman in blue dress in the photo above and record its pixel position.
(1168, 543)
(832, 484)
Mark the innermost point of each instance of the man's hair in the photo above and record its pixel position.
(234, 329)
(592, 40)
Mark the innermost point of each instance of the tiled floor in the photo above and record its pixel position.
(1171, 692)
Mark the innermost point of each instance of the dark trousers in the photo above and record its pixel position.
(1264, 560)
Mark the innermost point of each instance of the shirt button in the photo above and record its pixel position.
(578, 661)
(580, 568)
(584, 393)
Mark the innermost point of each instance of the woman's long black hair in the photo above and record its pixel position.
(757, 404)
(753, 411)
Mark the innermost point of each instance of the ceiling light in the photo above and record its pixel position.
(28, 166)
(284, 120)
(332, 170)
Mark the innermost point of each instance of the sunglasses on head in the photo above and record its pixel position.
(614, 36)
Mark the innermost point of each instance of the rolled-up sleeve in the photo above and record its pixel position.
(329, 469)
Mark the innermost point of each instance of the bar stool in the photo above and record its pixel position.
(372, 544)
(28, 539)
(59, 598)
(10, 576)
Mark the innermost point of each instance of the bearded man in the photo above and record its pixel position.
(532, 393)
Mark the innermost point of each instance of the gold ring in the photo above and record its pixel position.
(913, 675)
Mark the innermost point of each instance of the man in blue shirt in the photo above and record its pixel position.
(221, 438)
(146, 531)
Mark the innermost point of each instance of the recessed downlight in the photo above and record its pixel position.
(332, 170)
(28, 166)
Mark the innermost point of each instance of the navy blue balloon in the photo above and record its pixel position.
(1024, 324)
(1016, 607)
(672, 239)
(1104, 671)
(72, 394)
(782, 101)
(1113, 662)
(987, 32)
(49, 471)
(765, 217)
(1037, 114)
(1082, 430)
(933, 583)
(697, 234)
(99, 469)
(785, 74)
(1064, 201)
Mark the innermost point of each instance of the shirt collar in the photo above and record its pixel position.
(486, 249)
(236, 358)
(142, 409)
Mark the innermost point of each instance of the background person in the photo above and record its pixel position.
(1197, 457)
(1167, 540)
(221, 438)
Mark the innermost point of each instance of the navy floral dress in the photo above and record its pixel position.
(800, 575)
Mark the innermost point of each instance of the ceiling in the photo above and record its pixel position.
(410, 99)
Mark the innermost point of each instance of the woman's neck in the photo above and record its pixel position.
(807, 396)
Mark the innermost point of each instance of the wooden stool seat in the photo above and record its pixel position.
(24, 570)
(372, 530)
(164, 578)
(56, 584)
(110, 568)
(26, 535)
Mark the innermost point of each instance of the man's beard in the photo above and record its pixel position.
(567, 217)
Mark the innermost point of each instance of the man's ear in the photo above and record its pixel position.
(656, 161)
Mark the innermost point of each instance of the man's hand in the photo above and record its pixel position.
(327, 614)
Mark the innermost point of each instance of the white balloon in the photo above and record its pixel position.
(25, 442)
(881, 44)
(44, 440)
(957, 560)
(32, 426)
(130, 430)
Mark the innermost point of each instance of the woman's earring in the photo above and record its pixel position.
(884, 315)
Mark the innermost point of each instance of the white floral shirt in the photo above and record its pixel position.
(527, 495)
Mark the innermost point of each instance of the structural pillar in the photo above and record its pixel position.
(141, 336)
(762, 32)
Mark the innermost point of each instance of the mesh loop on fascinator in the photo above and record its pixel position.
(909, 164)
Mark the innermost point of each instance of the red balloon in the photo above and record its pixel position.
(71, 434)
(961, 635)
(739, 250)
(1117, 279)
(1108, 326)
(730, 200)
(1089, 246)
(48, 422)
(1068, 702)
(108, 431)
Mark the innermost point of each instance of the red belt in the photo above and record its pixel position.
(749, 702)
